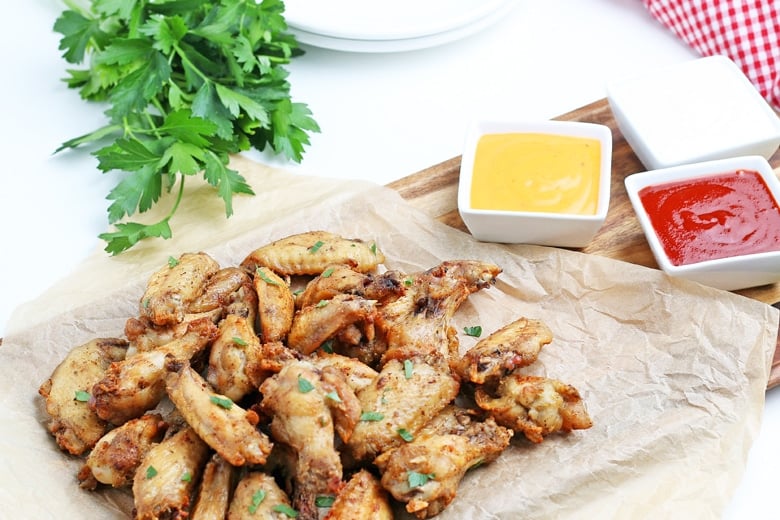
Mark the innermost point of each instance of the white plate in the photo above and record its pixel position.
(388, 28)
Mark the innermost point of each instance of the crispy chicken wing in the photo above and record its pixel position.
(117, 455)
(425, 473)
(258, 496)
(165, 482)
(362, 497)
(235, 348)
(216, 486)
(315, 324)
(309, 406)
(172, 288)
(228, 291)
(406, 395)
(137, 384)
(534, 405)
(515, 345)
(312, 252)
(276, 305)
(357, 374)
(75, 426)
(222, 424)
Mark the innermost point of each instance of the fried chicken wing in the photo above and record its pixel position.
(258, 496)
(357, 374)
(535, 406)
(276, 305)
(426, 472)
(514, 345)
(117, 455)
(362, 497)
(75, 426)
(232, 351)
(165, 481)
(314, 324)
(172, 288)
(406, 395)
(216, 486)
(228, 291)
(222, 424)
(137, 384)
(308, 407)
(312, 252)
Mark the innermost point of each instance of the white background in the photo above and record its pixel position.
(383, 116)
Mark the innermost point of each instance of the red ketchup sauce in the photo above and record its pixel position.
(716, 216)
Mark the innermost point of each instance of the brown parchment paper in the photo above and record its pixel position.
(673, 373)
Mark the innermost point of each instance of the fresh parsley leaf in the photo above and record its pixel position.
(257, 499)
(286, 510)
(172, 262)
(151, 472)
(186, 476)
(264, 276)
(333, 396)
(327, 346)
(324, 500)
(224, 402)
(187, 83)
(304, 385)
(372, 416)
(405, 434)
(415, 479)
(408, 368)
(327, 273)
(239, 341)
(475, 331)
(82, 396)
(316, 247)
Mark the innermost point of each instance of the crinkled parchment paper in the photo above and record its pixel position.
(673, 373)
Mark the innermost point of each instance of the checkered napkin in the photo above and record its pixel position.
(747, 31)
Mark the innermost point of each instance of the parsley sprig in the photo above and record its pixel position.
(188, 82)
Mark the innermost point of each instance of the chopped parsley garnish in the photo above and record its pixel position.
(372, 416)
(224, 402)
(304, 385)
(408, 281)
(405, 434)
(82, 396)
(324, 500)
(416, 479)
(327, 272)
(239, 341)
(316, 247)
(475, 331)
(172, 262)
(373, 248)
(257, 499)
(327, 346)
(286, 510)
(186, 477)
(408, 368)
(321, 303)
(333, 396)
(151, 472)
(264, 277)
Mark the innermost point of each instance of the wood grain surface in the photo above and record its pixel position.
(434, 190)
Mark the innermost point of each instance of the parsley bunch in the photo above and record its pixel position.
(188, 82)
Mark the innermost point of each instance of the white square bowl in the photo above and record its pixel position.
(695, 111)
(720, 224)
(548, 228)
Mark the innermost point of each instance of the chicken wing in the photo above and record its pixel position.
(314, 324)
(308, 407)
(137, 384)
(75, 426)
(515, 345)
(425, 472)
(362, 497)
(228, 291)
(312, 252)
(165, 482)
(276, 305)
(117, 455)
(216, 486)
(535, 406)
(258, 496)
(222, 424)
(357, 374)
(236, 347)
(173, 287)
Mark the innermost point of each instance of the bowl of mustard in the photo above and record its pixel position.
(535, 182)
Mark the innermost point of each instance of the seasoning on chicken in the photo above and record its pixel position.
(216, 486)
(137, 384)
(228, 291)
(236, 347)
(165, 482)
(222, 424)
(75, 426)
(515, 345)
(535, 406)
(362, 497)
(357, 374)
(276, 305)
(117, 455)
(315, 324)
(425, 472)
(173, 287)
(309, 406)
(258, 496)
(312, 252)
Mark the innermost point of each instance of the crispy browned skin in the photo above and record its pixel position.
(216, 486)
(442, 452)
(314, 324)
(137, 384)
(535, 406)
(515, 345)
(230, 291)
(165, 481)
(172, 288)
(343, 279)
(312, 252)
(308, 407)
(257, 496)
(225, 426)
(357, 374)
(235, 348)
(276, 305)
(403, 396)
(75, 426)
(117, 455)
(362, 497)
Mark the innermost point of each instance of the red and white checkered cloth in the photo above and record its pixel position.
(747, 31)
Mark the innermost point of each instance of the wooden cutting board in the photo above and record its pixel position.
(434, 190)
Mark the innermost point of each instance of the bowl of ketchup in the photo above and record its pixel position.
(714, 222)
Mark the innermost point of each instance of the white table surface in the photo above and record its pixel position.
(400, 112)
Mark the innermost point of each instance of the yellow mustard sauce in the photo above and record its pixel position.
(536, 172)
